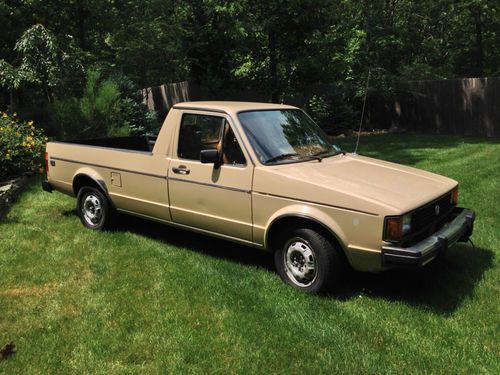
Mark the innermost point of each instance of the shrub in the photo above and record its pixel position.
(100, 107)
(21, 146)
(134, 114)
(107, 107)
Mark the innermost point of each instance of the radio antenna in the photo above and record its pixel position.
(362, 111)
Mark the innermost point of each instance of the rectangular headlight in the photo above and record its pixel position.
(406, 224)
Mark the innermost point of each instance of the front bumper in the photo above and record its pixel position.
(457, 230)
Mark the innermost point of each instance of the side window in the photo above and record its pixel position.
(203, 132)
(198, 132)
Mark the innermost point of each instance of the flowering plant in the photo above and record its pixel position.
(21, 146)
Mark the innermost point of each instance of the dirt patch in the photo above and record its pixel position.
(30, 291)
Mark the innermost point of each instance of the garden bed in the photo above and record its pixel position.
(10, 190)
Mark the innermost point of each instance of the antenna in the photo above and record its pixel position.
(362, 112)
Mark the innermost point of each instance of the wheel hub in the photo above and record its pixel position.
(300, 263)
(92, 210)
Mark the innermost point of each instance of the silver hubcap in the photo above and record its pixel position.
(92, 211)
(300, 263)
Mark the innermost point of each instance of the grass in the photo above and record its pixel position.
(150, 299)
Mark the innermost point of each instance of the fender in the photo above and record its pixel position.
(91, 174)
(310, 213)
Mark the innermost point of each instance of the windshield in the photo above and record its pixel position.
(284, 136)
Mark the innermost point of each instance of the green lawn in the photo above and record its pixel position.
(150, 299)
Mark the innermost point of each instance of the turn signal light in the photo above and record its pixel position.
(46, 162)
(393, 229)
(454, 196)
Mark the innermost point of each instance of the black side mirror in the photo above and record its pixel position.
(210, 157)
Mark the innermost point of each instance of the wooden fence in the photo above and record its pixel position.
(162, 98)
(466, 107)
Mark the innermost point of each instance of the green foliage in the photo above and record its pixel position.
(66, 119)
(107, 107)
(279, 50)
(99, 105)
(40, 54)
(21, 146)
(10, 77)
(136, 118)
(134, 114)
(318, 109)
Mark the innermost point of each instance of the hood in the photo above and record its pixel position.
(354, 182)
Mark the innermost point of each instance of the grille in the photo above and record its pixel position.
(426, 215)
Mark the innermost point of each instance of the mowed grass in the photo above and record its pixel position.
(146, 298)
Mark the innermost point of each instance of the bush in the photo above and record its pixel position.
(66, 118)
(100, 106)
(21, 146)
(134, 114)
(333, 110)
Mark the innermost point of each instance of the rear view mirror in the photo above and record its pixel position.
(210, 157)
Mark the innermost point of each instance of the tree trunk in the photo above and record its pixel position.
(81, 14)
(273, 66)
(479, 50)
(13, 100)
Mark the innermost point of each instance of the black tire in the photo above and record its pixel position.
(93, 208)
(308, 261)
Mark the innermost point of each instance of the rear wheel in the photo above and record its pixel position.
(93, 208)
(308, 261)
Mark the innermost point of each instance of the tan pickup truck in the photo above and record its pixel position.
(265, 175)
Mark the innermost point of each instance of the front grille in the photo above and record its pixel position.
(425, 222)
(426, 215)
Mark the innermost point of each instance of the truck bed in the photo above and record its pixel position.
(134, 143)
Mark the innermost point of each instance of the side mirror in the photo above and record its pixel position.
(210, 157)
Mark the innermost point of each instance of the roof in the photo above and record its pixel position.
(230, 107)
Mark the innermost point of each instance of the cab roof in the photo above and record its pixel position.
(230, 107)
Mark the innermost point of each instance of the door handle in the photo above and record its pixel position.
(181, 169)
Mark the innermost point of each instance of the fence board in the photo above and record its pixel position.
(467, 107)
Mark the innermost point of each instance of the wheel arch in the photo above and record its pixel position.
(301, 220)
(83, 178)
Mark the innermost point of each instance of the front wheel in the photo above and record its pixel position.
(308, 261)
(93, 208)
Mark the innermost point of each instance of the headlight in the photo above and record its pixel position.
(396, 227)
(406, 224)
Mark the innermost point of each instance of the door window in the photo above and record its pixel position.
(204, 132)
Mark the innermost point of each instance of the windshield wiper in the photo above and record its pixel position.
(325, 153)
(280, 157)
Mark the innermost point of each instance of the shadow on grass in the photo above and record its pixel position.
(210, 246)
(439, 287)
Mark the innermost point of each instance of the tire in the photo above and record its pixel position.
(308, 261)
(93, 208)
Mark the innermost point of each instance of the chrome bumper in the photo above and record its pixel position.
(457, 230)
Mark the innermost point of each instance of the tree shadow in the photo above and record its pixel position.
(440, 287)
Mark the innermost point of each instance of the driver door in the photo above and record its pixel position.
(212, 198)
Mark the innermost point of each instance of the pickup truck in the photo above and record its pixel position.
(265, 175)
